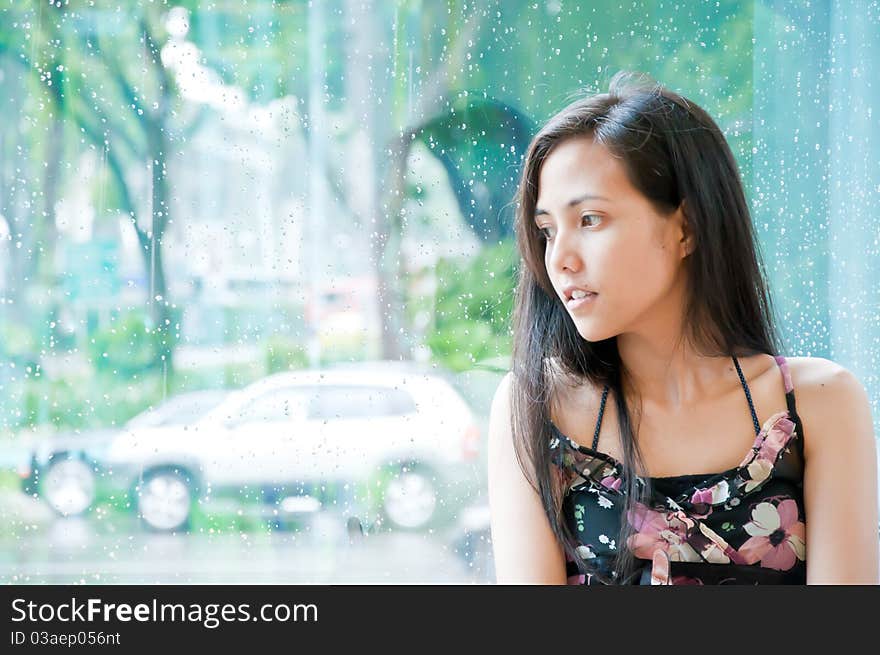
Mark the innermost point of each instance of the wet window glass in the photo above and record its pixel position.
(258, 260)
(359, 402)
(276, 406)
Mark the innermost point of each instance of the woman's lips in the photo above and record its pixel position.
(577, 303)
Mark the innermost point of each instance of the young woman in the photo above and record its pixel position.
(648, 431)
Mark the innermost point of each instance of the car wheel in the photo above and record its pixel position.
(165, 499)
(68, 485)
(410, 498)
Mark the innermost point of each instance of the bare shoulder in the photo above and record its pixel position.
(831, 401)
(500, 414)
(817, 376)
(841, 471)
(501, 398)
(525, 548)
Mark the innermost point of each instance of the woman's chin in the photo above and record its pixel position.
(593, 333)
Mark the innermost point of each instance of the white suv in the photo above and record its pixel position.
(408, 439)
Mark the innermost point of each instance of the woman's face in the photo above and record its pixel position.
(614, 243)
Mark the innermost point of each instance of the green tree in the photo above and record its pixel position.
(474, 308)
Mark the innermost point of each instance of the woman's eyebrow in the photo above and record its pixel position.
(573, 202)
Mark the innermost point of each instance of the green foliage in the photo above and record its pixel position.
(17, 342)
(474, 308)
(89, 401)
(127, 346)
(284, 353)
(98, 400)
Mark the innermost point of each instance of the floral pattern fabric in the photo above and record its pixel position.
(746, 525)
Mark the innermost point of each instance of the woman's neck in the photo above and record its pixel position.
(668, 373)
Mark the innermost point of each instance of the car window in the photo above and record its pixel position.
(180, 410)
(347, 402)
(272, 407)
(187, 414)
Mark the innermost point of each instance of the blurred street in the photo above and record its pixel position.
(43, 549)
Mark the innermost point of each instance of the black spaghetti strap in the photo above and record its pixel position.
(792, 409)
(799, 426)
(790, 402)
(599, 420)
(789, 398)
(745, 386)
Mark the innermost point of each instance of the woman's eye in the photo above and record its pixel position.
(544, 230)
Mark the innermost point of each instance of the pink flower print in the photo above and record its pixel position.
(775, 440)
(759, 470)
(703, 499)
(702, 496)
(717, 493)
(611, 482)
(667, 531)
(701, 503)
(660, 567)
(712, 546)
(777, 536)
(713, 554)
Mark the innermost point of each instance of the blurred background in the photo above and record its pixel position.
(257, 259)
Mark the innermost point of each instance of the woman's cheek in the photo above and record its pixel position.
(641, 266)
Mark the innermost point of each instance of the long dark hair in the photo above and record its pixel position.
(672, 151)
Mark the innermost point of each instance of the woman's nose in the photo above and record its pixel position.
(565, 253)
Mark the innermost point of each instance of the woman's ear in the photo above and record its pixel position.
(686, 242)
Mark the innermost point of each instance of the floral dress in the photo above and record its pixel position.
(746, 525)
